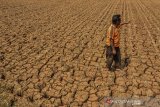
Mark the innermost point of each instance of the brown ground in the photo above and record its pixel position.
(52, 52)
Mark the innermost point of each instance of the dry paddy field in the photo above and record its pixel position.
(52, 53)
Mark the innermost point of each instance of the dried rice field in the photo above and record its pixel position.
(52, 53)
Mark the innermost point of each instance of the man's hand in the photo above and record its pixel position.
(114, 51)
(129, 22)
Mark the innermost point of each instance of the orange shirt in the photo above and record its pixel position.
(113, 33)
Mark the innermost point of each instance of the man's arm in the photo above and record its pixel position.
(125, 23)
(113, 48)
(112, 41)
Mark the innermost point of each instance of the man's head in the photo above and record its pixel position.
(116, 19)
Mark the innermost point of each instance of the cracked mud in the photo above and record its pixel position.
(52, 52)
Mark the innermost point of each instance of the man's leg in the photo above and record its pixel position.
(117, 58)
(109, 62)
(109, 57)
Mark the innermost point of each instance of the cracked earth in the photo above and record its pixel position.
(52, 53)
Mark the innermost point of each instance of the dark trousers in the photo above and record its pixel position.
(110, 57)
